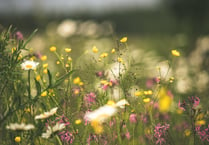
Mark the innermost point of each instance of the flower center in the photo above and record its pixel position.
(28, 66)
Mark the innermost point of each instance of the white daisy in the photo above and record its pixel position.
(122, 103)
(29, 65)
(22, 126)
(105, 112)
(51, 130)
(46, 114)
(101, 114)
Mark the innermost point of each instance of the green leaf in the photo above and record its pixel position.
(38, 87)
(62, 78)
(50, 78)
(29, 38)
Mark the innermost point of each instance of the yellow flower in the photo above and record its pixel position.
(165, 100)
(124, 39)
(179, 111)
(138, 93)
(187, 132)
(110, 102)
(68, 50)
(77, 80)
(44, 57)
(52, 49)
(20, 57)
(57, 74)
(17, 139)
(104, 82)
(103, 55)
(76, 91)
(45, 65)
(113, 50)
(78, 121)
(38, 77)
(27, 109)
(147, 130)
(165, 103)
(45, 71)
(14, 49)
(98, 128)
(200, 122)
(94, 49)
(146, 100)
(69, 59)
(58, 62)
(175, 53)
(120, 59)
(44, 94)
(81, 84)
(67, 65)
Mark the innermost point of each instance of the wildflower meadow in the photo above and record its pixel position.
(89, 87)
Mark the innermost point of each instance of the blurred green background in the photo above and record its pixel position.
(143, 19)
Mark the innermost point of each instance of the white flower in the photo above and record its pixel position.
(50, 130)
(22, 126)
(122, 103)
(105, 112)
(101, 114)
(28, 64)
(46, 114)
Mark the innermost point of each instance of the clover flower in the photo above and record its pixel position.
(22, 126)
(46, 114)
(29, 65)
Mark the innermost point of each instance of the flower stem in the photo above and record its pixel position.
(58, 139)
(29, 92)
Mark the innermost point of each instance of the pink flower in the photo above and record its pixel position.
(90, 98)
(149, 83)
(196, 102)
(100, 74)
(128, 135)
(182, 105)
(133, 118)
(19, 35)
(105, 87)
(114, 82)
(161, 133)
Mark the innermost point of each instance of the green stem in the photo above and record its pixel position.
(29, 92)
(63, 65)
(58, 139)
(118, 130)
